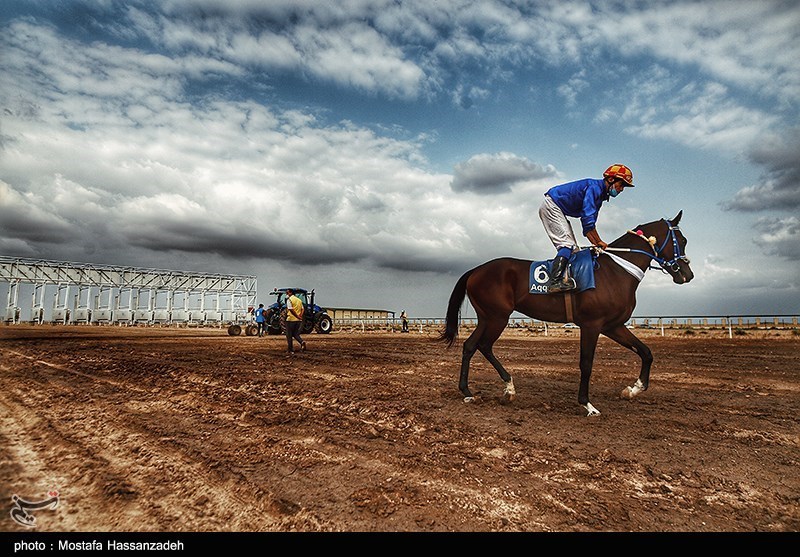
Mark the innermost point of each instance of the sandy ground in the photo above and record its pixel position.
(176, 430)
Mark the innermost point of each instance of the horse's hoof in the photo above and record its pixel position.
(472, 399)
(630, 392)
(507, 398)
(627, 392)
(590, 410)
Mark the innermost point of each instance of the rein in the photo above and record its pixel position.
(657, 251)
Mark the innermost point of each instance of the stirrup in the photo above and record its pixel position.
(562, 286)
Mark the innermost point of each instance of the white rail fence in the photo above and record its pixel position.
(729, 323)
(732, 324)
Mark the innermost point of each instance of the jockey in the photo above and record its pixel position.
(580, 199)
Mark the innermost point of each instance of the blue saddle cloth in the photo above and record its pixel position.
(581, 268)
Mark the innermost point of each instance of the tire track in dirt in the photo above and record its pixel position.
(371, 434)
(129, 458)
(293, 451)
(23, 467)
(365, 422)
(381, 499)
(108, 440)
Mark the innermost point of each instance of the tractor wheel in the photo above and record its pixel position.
(251, 330)
(324, 324)
(284, 313)
(273, 323)
(234, 330)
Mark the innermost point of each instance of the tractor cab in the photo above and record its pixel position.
(305, 296)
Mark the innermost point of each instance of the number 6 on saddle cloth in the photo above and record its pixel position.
(581, 268)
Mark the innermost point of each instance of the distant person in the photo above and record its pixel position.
(294, 321)
(261, 319)
(404, 321)
(580, 199)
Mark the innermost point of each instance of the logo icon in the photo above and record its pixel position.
(21, 507)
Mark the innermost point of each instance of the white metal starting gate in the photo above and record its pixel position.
(89, 293)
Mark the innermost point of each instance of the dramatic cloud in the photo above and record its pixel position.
(327, 135)
(491, 174)
(779, 236)
(779, 188)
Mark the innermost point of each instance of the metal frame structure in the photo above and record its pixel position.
(124, 295)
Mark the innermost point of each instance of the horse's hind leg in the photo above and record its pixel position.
(622, 335)
(485, 344)
(467, 351)
(483, 338)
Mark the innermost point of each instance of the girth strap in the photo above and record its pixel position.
(568, 304)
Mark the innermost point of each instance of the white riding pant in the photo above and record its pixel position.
(556, 225)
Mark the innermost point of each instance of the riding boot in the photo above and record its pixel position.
(559, 276)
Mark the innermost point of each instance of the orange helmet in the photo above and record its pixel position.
(620, 171)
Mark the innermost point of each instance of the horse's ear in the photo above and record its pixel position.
(677, 219)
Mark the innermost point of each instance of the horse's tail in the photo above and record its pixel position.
(453, 307)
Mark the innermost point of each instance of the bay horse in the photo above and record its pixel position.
(499, 287)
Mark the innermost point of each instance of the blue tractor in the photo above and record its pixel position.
(315, 318)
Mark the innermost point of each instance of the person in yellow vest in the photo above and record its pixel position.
(294, 321)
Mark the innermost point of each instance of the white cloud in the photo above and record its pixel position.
(356, 55)
(572, 88)
(745, 44)
(698, 116)
(329, 44)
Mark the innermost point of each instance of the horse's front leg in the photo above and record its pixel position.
(622, 335)
(589, 336)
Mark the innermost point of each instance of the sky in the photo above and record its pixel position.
(375, 150)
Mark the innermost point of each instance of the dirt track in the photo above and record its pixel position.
(161, 430)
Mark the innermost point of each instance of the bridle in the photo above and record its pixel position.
(670, 266)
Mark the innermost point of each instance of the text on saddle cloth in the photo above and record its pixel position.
(581, 268)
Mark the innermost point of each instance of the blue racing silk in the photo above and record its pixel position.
(580, 199)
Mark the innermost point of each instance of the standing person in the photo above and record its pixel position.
(294, 320)
(580, 199)
(261, 319)
(404, 320)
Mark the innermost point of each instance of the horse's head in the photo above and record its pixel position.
(669, 248)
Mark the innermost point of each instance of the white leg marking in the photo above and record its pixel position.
(510, 393)
(469, 399)
(592, 411)
(630, 392)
